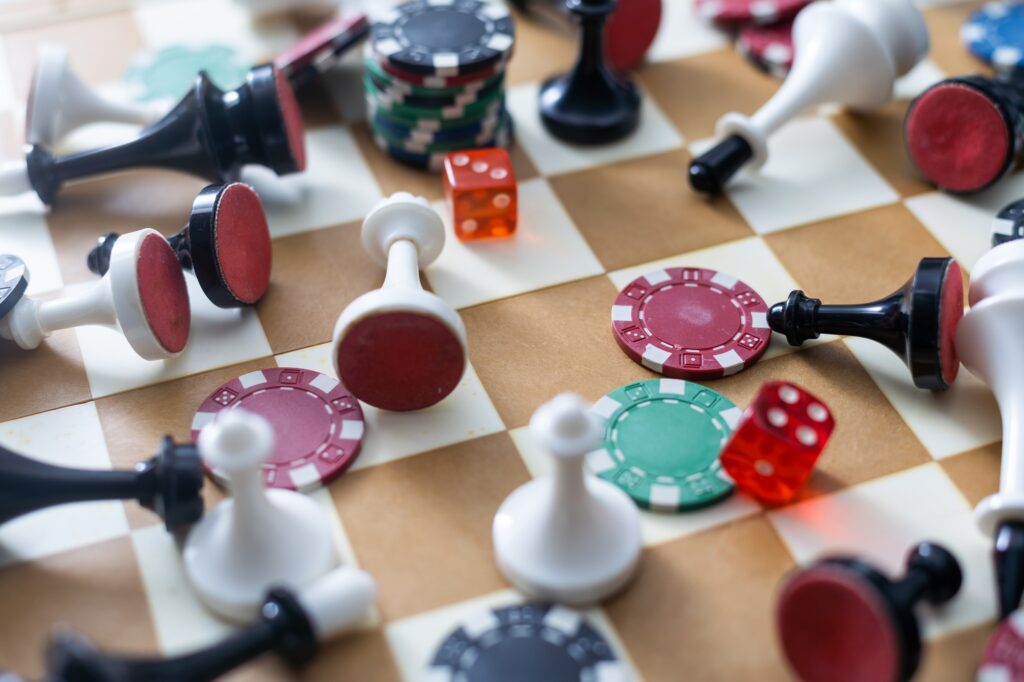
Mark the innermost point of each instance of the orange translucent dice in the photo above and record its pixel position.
(777, 442)
(480, 186)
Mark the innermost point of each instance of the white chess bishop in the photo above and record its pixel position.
(988, 343)
(847, 52)
(259, 538)
(567, 537)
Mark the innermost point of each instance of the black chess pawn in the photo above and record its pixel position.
(168, 484)
(291, 625)
(226, 243)
(918, 322)
(590, 105)
(210, 133)
(1008, 224)
(842, 620)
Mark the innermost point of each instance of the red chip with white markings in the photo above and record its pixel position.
(770, 48)
(691, 323)
(318, 425)
(733, 12)
(1003, 659)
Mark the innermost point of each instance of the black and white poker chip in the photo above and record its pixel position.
(443, 37)
(526, 642)
(13, 282)
(1008, 224)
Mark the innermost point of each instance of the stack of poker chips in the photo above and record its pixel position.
(435, 79)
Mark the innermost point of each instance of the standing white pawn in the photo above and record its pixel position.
(259, 538)
(399, 347)
(567, 537)
(59, 102)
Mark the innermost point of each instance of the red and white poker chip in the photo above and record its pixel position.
(691, 323)
(1003, 660)
(318, 425)
(733, 12)
(770, 48)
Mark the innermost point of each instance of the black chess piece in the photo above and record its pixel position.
(291, 624)
(841, 619)
(1008, 224)
(590, 105)
(226, 243)
(917, 322)
(168, 484)
(210, 133)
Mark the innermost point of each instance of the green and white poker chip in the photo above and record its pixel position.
(662, 439)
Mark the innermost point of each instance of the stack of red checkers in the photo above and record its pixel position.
(762, 29)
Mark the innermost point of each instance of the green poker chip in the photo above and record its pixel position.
(662, 439)
(456, 112)
(433, 124)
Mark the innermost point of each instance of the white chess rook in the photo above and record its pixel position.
(567, 537)
(848, 52)
(988, 343)
(259, 538)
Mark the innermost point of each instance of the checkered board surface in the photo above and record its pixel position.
(837, 212)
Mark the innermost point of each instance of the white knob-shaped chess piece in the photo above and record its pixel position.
(400, 347)
(568, 537)
(143, 295)
(847, 52)
(337, 601)
(59, 102)
(259, 538)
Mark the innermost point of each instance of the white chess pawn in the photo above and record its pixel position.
(400, 347)
(846, 52)
(567, 537)
(143, 295)
(259, 538)
(988, 343)
(59, 102)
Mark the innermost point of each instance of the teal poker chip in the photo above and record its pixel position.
(662, 440)
(170, 71)
(995, 34)
(398, 95)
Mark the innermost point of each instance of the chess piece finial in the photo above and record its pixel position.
(143, 295)
(567, 537)
(918, 321)
(400, 347)
(985, 342)
(259, 537)
(848, 52)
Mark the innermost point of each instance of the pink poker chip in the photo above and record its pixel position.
(317, 423)
(1003, 659)
(770, 48)
(691, 323)
(733, 12)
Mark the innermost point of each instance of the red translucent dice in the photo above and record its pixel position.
(779, 438)
(480, 186)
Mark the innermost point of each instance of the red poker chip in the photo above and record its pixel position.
(1003, 659)
(318, 425)
(770, 48)
(431, 81)
(691, 323)
(733, 12)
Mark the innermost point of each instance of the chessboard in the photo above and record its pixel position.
(838, 212)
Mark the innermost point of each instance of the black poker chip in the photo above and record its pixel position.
(1008, 224)
(13, 282)
(423, 37)
(526, 642)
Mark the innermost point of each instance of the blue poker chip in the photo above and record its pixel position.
(395, 129)
(526, 642)
(995, 35)
(13, 282)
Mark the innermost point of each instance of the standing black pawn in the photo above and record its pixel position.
(590, 105)
(917, 322)
(168, 484)
(843, 620)
(209, 133)
(226, 243)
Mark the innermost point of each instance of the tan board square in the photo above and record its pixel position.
(543, 48)
(976, 472)
(696, 598)
(947, 51)
(638, 211)
(954, 658)
(856, 258)
(46, 378)
(439, 506)
(870, 439)
(528, 348)
(724, 80)
(96, 589)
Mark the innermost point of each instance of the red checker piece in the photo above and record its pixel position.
(292, 115)
(317, 423)
(243, 248)
(733, 12)
(691, 323)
